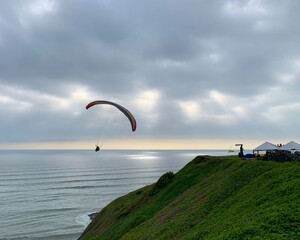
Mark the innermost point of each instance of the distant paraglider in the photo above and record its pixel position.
(121, 108)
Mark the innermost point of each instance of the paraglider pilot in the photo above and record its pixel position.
(97, 148)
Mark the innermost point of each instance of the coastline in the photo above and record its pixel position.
(95, 180)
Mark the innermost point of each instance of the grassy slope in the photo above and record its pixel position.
(210, 198)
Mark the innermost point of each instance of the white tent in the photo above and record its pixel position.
(265, 146)
(290, 146)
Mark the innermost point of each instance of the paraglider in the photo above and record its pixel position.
(121, 108)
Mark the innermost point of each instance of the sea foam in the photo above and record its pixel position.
(83, 219)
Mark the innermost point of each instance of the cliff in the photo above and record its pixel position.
(210, 198)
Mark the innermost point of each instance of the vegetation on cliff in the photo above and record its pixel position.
(210, 198)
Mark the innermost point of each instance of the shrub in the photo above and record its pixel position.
(164, 180)
(200, 159)
(124, 213)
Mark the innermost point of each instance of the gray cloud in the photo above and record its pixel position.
(186, 69)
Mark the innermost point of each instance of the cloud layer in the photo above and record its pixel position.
(186, 69)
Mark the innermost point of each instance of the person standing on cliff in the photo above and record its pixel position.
(241, 153)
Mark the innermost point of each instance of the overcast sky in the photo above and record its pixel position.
(192, 69)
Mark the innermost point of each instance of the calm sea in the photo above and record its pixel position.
(49, 194)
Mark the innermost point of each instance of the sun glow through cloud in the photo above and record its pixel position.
(41, 7)
(191, 109)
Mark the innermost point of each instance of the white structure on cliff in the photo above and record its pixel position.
(267, 146)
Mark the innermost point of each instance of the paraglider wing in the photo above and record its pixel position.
(121, 108)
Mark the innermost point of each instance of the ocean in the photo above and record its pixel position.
(49, 194)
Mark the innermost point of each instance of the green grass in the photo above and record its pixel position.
(210, 198)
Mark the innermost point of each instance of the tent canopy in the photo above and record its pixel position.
(266, 146)
(270, 146)
(291, 146)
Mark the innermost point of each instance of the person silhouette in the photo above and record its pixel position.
(241, 153)
(97, 148)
